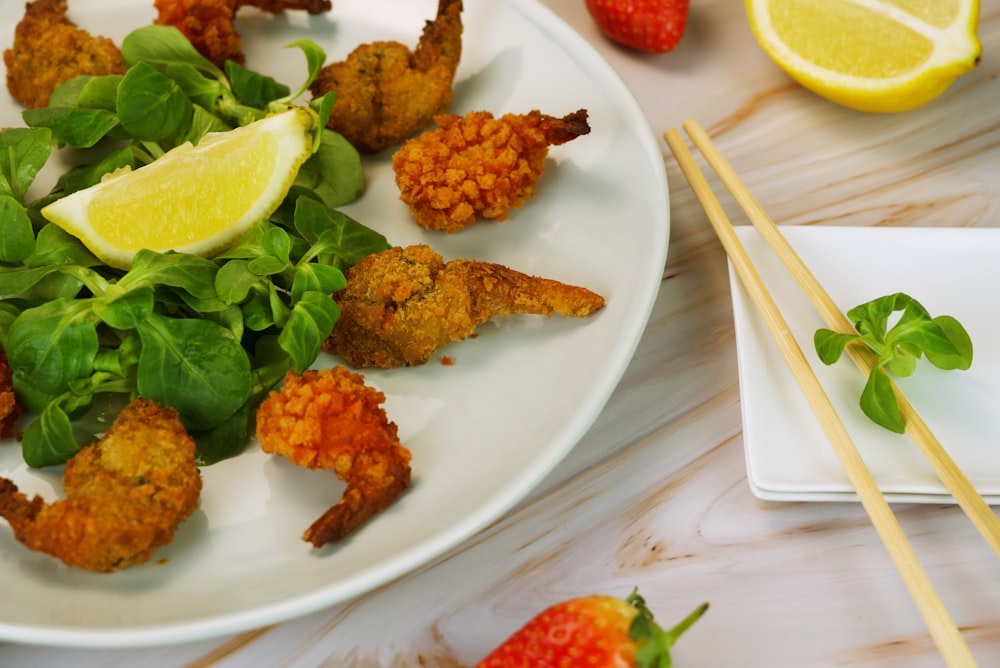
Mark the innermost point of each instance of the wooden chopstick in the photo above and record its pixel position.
(942, 628)
(950, 474)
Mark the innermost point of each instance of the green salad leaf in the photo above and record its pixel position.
(942, 340)
(209, 337)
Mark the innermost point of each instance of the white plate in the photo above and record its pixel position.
(483, 432)
(951, 272)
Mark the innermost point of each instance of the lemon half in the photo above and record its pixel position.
(192, 199)
(871, 55)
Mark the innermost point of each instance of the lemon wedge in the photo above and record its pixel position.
(871, 55)
(192, 199)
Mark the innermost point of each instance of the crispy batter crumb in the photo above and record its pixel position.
(477, 166)
(402, 304)
(330, 419)
(209, 24)
(385, 92)
(126, 494)
(49, 49)
(10, 408)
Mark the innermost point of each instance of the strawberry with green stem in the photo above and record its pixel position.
(591, 631)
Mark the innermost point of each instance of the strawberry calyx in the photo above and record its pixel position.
(652, 642)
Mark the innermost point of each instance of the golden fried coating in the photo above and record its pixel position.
(209, 24)
(478, 166)
(49, 49)
(126, 494)
(401, 305)
(385, 93)
(10, 408)
(329, 419)
(279, 6)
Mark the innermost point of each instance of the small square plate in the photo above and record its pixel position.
(951, 271)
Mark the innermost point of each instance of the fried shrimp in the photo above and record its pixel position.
(385, 92)
(10, 408)
(209, 24)
(126, 494)
(402, 304)
(330, 419)
(478, 166)
(49, 49)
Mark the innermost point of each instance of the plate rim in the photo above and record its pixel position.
(418, 556)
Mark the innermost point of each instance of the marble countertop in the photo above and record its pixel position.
(656, 495)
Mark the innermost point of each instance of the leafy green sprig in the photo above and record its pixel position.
(942, 339)
(209, 337)
(169, 94)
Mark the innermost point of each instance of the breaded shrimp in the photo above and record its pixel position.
(278, 6)
(10, 408)
(402, 304)
(126, 494)
(49, 49)
(209, 24)
(478, 166)
(385, 93)
(330, 419)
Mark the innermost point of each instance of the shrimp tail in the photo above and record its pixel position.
(357, 506)
(500, 290)
(561, 130)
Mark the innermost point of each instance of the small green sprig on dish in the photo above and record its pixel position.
(942, 340)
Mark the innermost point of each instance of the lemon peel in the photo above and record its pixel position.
(872, 55)
(192, 199)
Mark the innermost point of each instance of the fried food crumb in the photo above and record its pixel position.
(385, 92)
(210, 24)
(10, 408)
(330, 419)
(49, 49)
(126, 494)
(477, 166)
(402, 304)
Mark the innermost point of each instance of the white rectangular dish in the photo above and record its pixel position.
(951, 271)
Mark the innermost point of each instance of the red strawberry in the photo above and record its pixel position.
(654, 26)
(591, 631)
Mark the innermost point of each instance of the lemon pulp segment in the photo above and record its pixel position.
(938, 13)
(123, 217)
(855, 39)
(873, 55)
(192, 199)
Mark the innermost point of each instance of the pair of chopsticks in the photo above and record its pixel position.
(942, 628)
